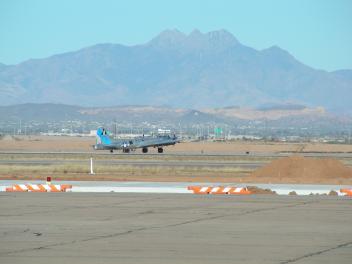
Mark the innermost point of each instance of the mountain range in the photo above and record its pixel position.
(281, 116)
(194, 71)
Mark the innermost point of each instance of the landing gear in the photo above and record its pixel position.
(145, 150)
(111, 151)
(126, 150)
(160, 150)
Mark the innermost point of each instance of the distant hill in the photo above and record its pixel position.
(39, 112)
(232, 116)
(195, 71)
(268, 107)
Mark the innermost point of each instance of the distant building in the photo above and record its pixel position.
(164, 131)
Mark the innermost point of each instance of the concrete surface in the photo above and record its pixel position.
(168, 228)
(141, 163)
(179, 187)
(181, 154)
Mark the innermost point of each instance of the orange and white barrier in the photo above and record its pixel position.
(218, 190)
(347, 192)
(38, 188)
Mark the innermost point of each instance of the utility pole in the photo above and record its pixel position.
(179, 124)
(115, 129)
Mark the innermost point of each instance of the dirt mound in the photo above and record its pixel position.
(302, 169)
(333, 193)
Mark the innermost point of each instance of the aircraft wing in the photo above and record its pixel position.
(154, 142)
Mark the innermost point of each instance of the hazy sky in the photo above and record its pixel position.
(316, 32)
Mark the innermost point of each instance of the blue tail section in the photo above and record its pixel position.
(103, 136)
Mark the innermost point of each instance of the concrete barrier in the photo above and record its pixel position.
(218, 190)
(346, 192)
(38, 188)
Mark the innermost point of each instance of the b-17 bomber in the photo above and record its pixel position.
(104, 142)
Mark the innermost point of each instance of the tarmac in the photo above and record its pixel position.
(140, 163)
(181, 154)
(180, 187)
(173, 228)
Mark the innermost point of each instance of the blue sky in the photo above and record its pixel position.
(316, 32)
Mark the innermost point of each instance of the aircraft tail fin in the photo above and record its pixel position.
(103, 137)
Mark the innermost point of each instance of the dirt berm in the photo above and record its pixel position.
(299, 169)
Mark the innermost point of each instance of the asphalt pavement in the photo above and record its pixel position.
(169, 228)
(183, 154)
(141, 163)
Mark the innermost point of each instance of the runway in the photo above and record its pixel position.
(183, 154)
(174, 163)
(161, 228)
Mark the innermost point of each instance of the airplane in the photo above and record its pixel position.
(104, 142)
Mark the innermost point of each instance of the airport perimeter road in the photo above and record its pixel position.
(153, 228)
